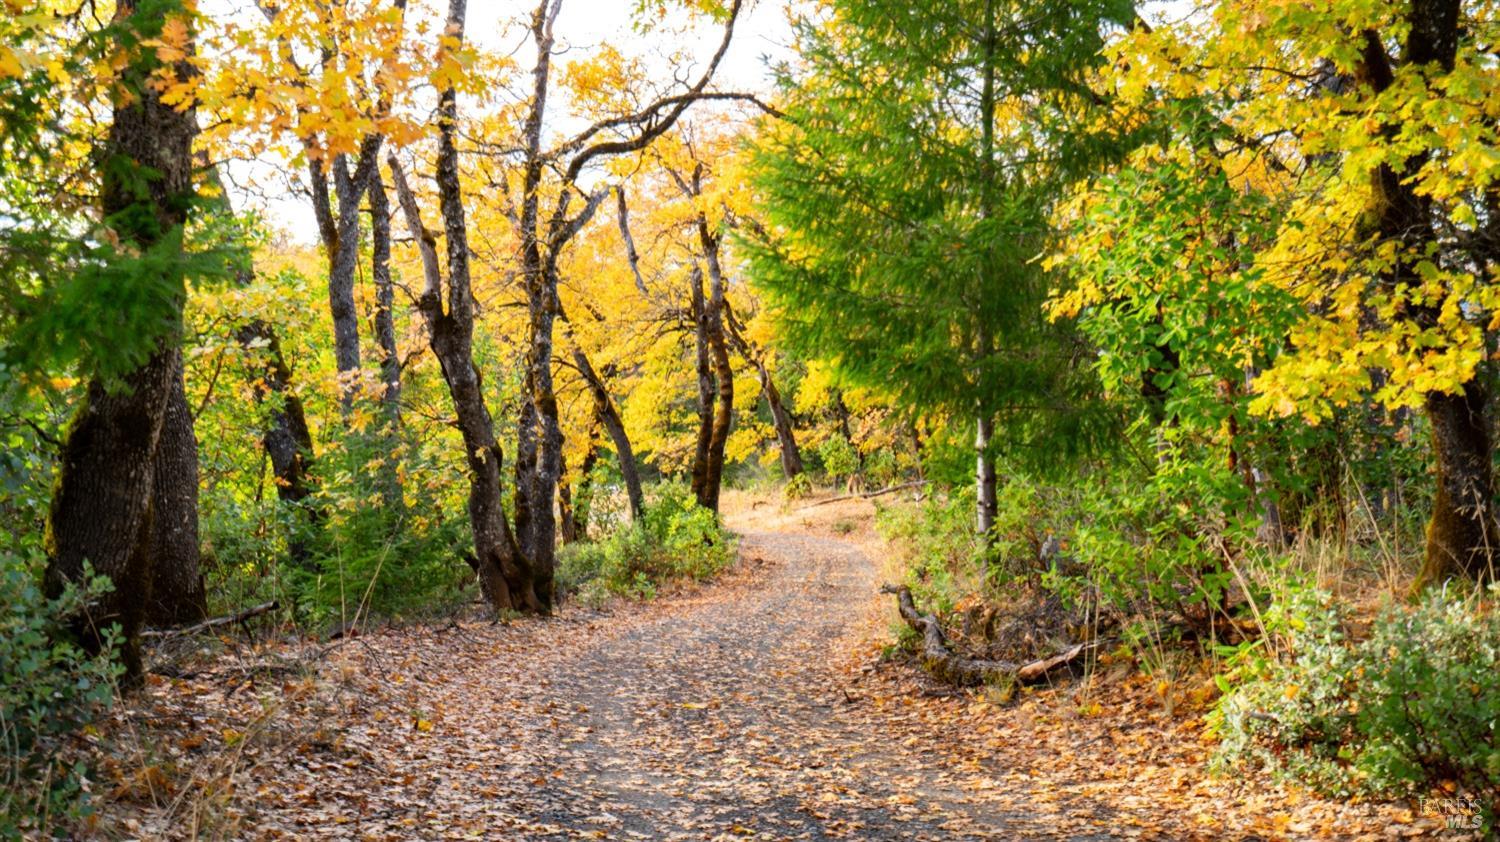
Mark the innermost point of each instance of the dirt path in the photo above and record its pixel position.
(752, 708)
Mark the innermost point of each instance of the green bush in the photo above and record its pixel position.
(840, 459)
(676, 539)
(49, 689)
(1413, 706)
(941, 549)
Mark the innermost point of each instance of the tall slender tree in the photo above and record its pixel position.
(906, 198)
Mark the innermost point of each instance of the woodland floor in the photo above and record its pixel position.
(756, 707)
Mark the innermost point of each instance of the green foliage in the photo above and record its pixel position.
(1411, 707)
(936, 536)
(49, 689)
(798, 487)
(676, 540)
(906, 205)
(840, 459)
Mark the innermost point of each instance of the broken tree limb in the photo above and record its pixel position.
(868, 495)
(230, 619)
(939, 659)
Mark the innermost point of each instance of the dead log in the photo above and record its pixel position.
(867, 495)
(263, 608)
(939, 659)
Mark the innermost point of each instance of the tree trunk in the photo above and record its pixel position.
(781, 420)
(101, 509)
(503, 571)
(286, 438)
(573, 508)
(984, 479)
(1462, 537)
(385, 336)
(339, 232)
(704, 371)
(176, 595)
(609, 416)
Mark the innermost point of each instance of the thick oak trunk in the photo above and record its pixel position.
(176, 594)
(101, 508)
(1462, 536)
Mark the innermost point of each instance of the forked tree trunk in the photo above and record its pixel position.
(504, 572)
(101, 509)
(177, 594)
(339, 231)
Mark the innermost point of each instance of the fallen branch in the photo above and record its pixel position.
(945, 664)
(230, 619)
(866, 495)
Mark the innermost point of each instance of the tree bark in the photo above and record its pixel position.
(723, 375)
(781, 420)
(101, 509)
(986, 506)
(504, 572)
(385, 336)
(703, 369)
(339, 231)
(609, 417)
(573, 508)
(1462, 536)
(176, 595)
(1462, 533)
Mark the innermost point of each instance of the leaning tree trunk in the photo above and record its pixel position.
(781, 419)
(176, 594)
(723, 375)
(609, 416)
(101, 509)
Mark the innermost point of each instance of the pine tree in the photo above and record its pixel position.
(907, 196)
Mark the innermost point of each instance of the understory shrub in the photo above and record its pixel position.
(1412, 707)
(49, 689)
(676, 539)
